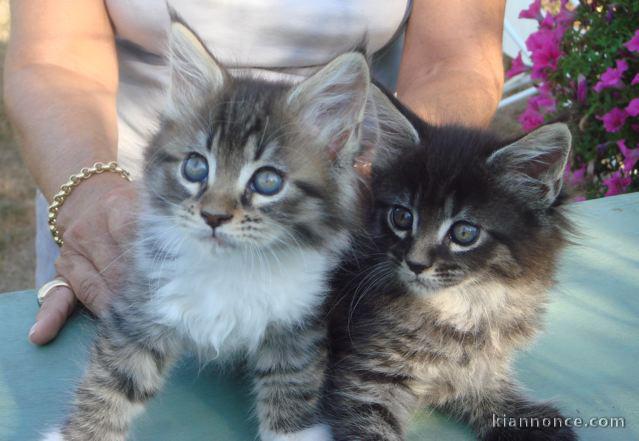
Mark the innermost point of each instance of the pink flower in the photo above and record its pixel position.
(614, 120)
(537, 105)
(544, 100)
(616, 183)
(635, 80)
(575, 177)
(530, 119)
(630, 156)
(612, 77)
(633, 44)
(548, 22)
(533, 11)
(579, 198)
(544, 59)
(516, 67)
(565, 16)
(632, 108)
(544, 47)
(582, 89)
(579, 175)
(540, 39)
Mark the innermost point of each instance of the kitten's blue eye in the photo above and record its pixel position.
(195, 168)
(401, 218)
(464, 233)
(267, 181)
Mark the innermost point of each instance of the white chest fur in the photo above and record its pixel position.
(224, 303)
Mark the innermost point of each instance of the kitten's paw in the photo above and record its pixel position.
(550, 434)
(320, 432)
(53, 436)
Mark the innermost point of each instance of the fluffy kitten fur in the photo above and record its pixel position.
(443, 333)
(256, 285)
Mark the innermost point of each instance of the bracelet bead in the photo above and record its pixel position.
(67, 188)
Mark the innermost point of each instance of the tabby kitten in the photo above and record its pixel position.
(248, 202)
(453, 277)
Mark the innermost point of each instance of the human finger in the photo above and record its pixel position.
(56, 308)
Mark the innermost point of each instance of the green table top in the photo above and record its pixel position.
(586, 361)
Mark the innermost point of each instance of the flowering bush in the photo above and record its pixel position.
(585, 64)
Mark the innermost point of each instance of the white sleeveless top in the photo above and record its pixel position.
(290, 38)
(278, 38)
(264, 33)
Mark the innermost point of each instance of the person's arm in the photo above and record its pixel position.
(452, 69)
(60, 85)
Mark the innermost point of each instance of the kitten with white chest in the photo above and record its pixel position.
(449, 280)
(249, 199)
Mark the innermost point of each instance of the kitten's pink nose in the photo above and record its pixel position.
(215, 219)
(417, 267)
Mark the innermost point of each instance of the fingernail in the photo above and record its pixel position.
(33, 329)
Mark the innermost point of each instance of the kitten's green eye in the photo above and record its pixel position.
(267, 181)
(195, 168)
(464, 233)
(401, 218)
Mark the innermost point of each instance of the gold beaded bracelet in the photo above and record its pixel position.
(74, 181)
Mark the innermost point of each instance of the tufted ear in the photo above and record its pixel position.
(535, 163)
(392, 123)
(194, 70)
(331, 104)
(394, 129)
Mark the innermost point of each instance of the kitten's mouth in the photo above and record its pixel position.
(427, 286)
(221, 240)
(420, 288)
(218, 241)
(435, 285)
(416, 282)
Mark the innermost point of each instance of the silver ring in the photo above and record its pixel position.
(47, 287)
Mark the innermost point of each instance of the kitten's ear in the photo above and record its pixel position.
(535, 163)
(394, 129)
(194, 71)
(331, 103)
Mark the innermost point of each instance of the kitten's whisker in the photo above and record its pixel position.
(135, 243)
(374, 271)
(298, 245)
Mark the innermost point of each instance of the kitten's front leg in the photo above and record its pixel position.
(289, 369)
(369, 396)
(127, 367)
(503, 413)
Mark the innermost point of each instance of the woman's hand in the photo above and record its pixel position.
(97, 220)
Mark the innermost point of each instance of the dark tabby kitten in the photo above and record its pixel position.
(464, 236)
(248, 203)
